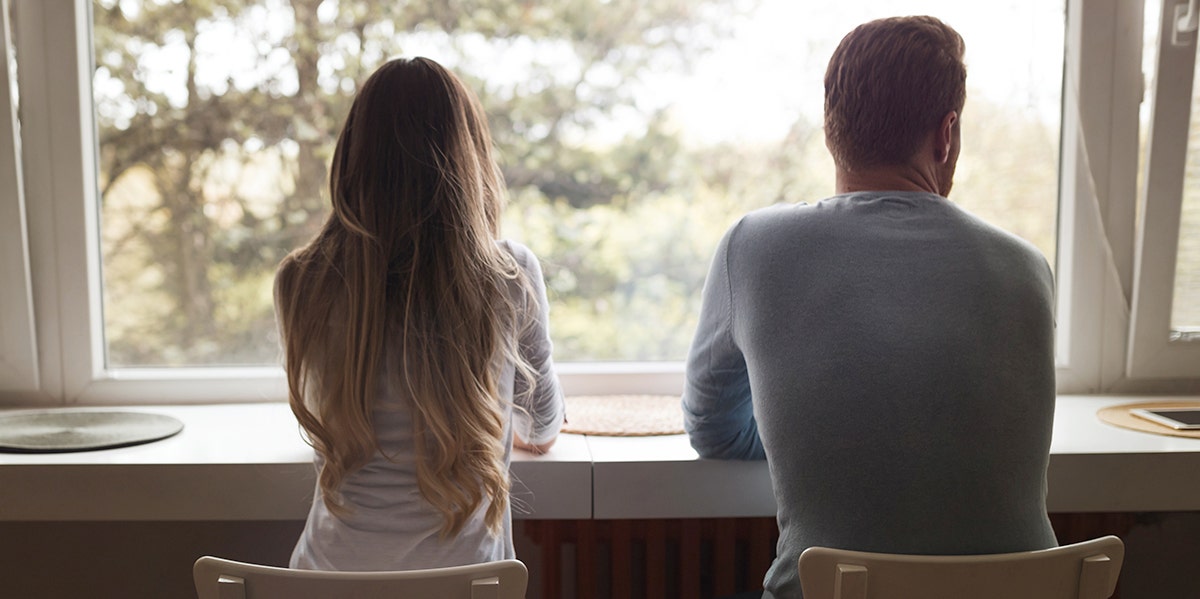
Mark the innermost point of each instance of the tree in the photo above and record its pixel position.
(217, 120)
(218, 117)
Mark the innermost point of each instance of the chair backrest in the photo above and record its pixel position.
(1086, 570)
(218, 578)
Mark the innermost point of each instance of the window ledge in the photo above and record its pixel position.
(249, 462)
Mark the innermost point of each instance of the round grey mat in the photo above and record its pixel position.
(51, 431)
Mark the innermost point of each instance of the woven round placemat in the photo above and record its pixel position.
(58, 431)
(1121, 416)
(624, 415)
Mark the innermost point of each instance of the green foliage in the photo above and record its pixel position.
(217, 120)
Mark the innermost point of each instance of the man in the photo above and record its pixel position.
(889, 354)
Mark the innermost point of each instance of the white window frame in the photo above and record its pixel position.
(1153, 352)
(18, 347)
(59, 173)
(1096, 269)
(1098, 179)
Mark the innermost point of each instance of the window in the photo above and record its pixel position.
(18, 369)
(628, 151)
(165, 183)
(1166, 301)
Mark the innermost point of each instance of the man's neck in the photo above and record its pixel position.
(886, 178)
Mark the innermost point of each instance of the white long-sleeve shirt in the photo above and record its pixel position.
(391, 526)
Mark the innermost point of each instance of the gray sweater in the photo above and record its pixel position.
(892, 357)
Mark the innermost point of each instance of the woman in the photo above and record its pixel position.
(415, 343)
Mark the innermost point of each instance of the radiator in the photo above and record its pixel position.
(694, 558)
(632, 559)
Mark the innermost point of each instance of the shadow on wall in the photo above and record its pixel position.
(129, 559)
(1162, 551)
(154, 559)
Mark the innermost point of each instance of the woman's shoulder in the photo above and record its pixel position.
(287, 273)
(523, 255)
(297, 277)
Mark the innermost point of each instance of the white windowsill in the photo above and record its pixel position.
(248, 462)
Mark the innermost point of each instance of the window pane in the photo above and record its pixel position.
(631, 135)
(1185, 304)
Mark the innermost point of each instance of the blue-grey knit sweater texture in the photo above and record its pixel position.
(892, 357)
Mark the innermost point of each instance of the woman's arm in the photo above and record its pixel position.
(537, 396)
(520, 443)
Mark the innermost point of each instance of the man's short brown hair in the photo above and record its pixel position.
(889, 83)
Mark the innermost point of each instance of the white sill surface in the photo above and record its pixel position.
(248, 462)
(236, 462)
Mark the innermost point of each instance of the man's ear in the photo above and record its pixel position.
(943, 139)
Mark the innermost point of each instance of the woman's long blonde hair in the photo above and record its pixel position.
(408, 257)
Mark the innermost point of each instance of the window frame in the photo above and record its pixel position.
(1152, 351)
(56, 126)
(1098, 179)
(1096, 270)
(18, 347)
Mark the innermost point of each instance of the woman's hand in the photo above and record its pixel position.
(533, 448)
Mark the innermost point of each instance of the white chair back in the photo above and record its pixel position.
(1086, 570)
(218, 578)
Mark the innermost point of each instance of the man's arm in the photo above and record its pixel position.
(717, 412)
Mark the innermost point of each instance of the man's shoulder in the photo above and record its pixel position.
(774, 212)
(761, 223)
(1003, 241)
(792, 225)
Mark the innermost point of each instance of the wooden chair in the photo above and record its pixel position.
(218, 578)
(1086, 570)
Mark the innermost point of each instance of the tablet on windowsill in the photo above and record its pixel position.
(1176, 418)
